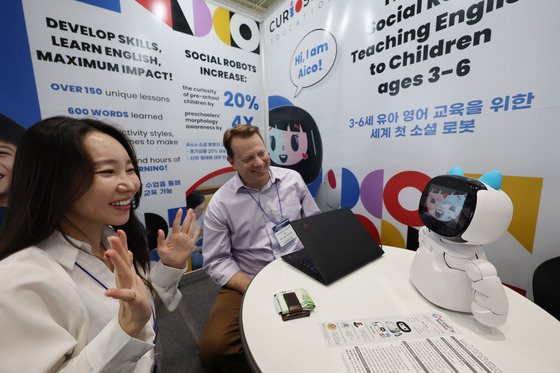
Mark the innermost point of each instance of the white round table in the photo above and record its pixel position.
(529, 341)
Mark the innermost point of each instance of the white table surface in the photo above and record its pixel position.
(529, 341)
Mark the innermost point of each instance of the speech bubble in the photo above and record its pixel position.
(313, 59)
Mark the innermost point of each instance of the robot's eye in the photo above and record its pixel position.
(432, 200)
(272, 143)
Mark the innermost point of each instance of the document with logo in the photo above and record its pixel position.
(414, 343)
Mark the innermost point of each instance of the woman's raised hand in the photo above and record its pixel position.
(181, 241)
(135, 309)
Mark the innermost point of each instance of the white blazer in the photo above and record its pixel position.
(55, 317)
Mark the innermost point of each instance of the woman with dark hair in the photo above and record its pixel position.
(76, 291)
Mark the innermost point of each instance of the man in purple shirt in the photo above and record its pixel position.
(243, 232)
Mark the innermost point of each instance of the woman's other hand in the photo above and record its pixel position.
(135, 309)
(181, 241)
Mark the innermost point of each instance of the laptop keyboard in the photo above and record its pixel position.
(310, 265)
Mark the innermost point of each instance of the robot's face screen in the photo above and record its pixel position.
(445, 204)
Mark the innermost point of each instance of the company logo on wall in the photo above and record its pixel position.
(285, 16)
(193, 17)
(288, 19)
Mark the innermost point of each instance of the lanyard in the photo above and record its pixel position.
(279, 204)
(105, 287)
(92, 276)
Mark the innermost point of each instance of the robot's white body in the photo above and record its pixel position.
(450, 268)
(458, 277)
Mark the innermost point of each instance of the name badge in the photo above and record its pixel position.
(284, 232)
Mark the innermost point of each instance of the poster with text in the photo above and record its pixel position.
(401, 91)
(173, 75)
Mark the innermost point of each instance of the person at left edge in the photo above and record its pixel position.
(76, 292)
(10, 134)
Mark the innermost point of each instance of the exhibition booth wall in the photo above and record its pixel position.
(372, 99)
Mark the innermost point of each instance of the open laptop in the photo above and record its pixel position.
(335, 244)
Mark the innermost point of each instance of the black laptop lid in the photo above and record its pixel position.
(337, 242)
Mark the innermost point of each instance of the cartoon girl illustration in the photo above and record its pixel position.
(288, 147)
(294, 141)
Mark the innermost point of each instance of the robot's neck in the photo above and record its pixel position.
(458, 250)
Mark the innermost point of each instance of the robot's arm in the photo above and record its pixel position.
(490, 304)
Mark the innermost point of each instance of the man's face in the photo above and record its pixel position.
(251, 160)
(7, 154)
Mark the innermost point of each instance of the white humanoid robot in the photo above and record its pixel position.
(450, 268)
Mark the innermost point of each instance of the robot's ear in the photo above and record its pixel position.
(456, 171)
(493, 179)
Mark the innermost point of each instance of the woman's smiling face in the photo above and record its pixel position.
(115, 183)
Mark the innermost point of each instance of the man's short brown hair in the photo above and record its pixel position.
(243, 131)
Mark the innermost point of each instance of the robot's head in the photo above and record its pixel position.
(467, 210)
